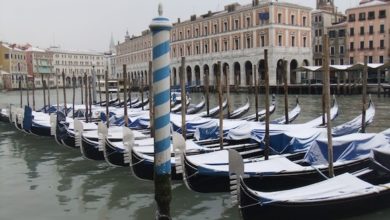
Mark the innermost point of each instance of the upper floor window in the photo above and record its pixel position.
(225, 26)
(280, 40)
(304, 42)
(248, 22)
(371, 15)
(351, 31)
(382, 28)
(292, 19)
(351, 18)
(236, 24)
(304, 21)
(262, 41)
(362, 16)
(215, 29)
(279, 18)
(293, 41)
(206, 30)
(236, 44)
(382, 14)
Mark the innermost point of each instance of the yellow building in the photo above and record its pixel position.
(13, 65)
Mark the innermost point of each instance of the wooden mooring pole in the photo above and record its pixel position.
(107, 101)
(327, 103)
(364, 94)
(220, 101)
(256, 92)
(74, 94)
(183, 97)
(44, 92)
(63, 90)
(267, 113)
(285, 91)
(126, 116)
(86, 96)
(151, 101)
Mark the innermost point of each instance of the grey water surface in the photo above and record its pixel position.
(40, 179)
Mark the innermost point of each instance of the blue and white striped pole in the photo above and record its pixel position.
(160, 28)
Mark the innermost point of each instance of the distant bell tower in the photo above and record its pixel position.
(327, 5)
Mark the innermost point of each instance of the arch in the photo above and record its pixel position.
(226, 71)
(279, 72)
(306, 63)
(80, 80)
(237, 74)
(68, 82)
(146, 82)
(174, 76)
(215, 75)
(197, 75)
(261, 69)
(189, 75)
(293, 72)
(206, 74)
(248, 73)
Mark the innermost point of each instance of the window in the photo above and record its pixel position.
(361, 30)
(351, 31)
(304, 21)
(371, 44)
(316, 33)
(342, 33)
(319, 32)
(292, 19)
(361, 45)
(304, 41)
(180, 35)
(332, 34)
(248, 42)
(341, 49)
(382, 29)
(315, 19)
(369, 59)
(382, 44)
(262, 40)
(371, 31)
(188, 34)
(196, 32)
(382, 14)
(320, 48)
(215, 28)
(206, 48)
(316, 48)
(6, 56)
(236, 24)
(331, 50)
(225, 45)
(351, 61)
(236, 43)
(206, 31)
(381, 59)
(197, 49)
(352, 46)
(279, 18)
(371, 15)
(362, 16)
(351, 18)
(341, 61)
(248, 22)
(280, 40)
(319, 20)
(216, 46)
(293, 41)
(225, 27)
(332, 62)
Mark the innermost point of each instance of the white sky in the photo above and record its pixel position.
(88, 24)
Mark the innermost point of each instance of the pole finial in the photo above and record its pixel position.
(160, 9)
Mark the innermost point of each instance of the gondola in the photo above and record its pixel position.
(214, 111)
(261, 113)
(240, 111)
(193, 109)
(292, 115)
(346, 195)
(201, 171)
(177, 108)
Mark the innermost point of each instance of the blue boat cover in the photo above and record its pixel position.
(346, 148)
(27, 121)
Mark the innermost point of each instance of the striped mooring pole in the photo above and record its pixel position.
(160, 28)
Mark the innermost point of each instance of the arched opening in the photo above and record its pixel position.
(197, 75)
(293, 71)
(248, 73)
(215, 78)
(206, 74)
(226, 70)
(189, 76)
(261, 70)
(146, 77)
(68, 81)
(80, 81)
(306, 63)
(174, 76)
(279, 72)
(237, 74)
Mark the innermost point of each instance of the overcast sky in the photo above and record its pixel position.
(88, 24)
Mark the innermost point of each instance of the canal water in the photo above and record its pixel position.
(40, 179)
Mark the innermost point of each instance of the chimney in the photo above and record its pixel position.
(178, 20)
(193, 17)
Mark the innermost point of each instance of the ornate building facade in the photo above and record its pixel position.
(237, 37)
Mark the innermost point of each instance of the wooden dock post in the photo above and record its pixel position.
(44, 92)
(63, 90)
(107, 99)
(74, 93)
(57, 93)
(86, 96)
(220, 102)
(379, 82)
(141, 87)
(21, 91)
(256, 92)
(327, 103)
(28, 92)
(285, 91)
(90, 95)
(130, 83)
(100, 90)
(82, 90)
(183, 97)
(364, 94)
(207, 82)
(126, 116)
(267, 114)
(151, 101)
(228, 90)
(48, 90)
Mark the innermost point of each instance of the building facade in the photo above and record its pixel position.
(237, 37)
(13, 63)
(40, 65)
(369, 29)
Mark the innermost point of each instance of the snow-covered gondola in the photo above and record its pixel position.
(346, 195)
(193, 109)
(240, 111)
(261, 113)
(214, 111)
